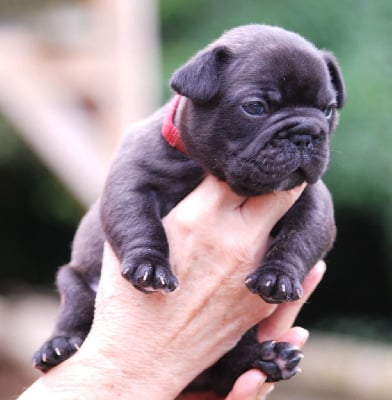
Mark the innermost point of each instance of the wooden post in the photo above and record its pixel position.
(71, 105)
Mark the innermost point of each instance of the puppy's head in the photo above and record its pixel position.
(260, 108)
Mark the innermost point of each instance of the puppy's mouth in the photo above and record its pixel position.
(252, 187)
(275, 170)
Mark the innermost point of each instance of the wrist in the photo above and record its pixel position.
(97, 377)
(114, 377)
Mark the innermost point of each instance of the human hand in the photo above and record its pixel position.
(216, 238)
(151, 346)
(251, 385)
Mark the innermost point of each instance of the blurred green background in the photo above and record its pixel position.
(38, 216)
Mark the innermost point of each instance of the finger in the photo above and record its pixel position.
(313, 278)
(270, 207)
(285, 314)
(250, 386)
(199, 396)
(296, 336)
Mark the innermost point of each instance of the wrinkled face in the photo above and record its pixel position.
(281, 117)
(268, 126)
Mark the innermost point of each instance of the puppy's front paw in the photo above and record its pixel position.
(278, 360)
(274, 286)
(55, 351)
(149, 277)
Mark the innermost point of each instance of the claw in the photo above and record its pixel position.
(145, 276)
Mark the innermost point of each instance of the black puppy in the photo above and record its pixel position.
(256, 108)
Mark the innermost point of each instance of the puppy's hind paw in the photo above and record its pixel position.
(278, 360)
(55, 351)
(148, 277)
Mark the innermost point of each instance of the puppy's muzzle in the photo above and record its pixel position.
(303, 135)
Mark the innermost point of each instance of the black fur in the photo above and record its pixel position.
(298, 88)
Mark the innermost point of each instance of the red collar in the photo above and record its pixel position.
(169, 130)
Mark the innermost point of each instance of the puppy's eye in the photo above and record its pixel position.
(254, 108)
(328, 112)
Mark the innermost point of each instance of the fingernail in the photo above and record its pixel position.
(271, 389)
(321, 266)
(303, 334)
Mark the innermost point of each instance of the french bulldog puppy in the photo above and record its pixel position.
(256, 108)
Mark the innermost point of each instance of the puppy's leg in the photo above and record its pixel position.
(137, 236)
(131, 213)
(278, 360)
(74, 321)
(304, 235)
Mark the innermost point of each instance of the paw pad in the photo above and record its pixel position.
(278, 360)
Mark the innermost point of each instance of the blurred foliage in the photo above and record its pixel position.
(15, 156)
(38, 216)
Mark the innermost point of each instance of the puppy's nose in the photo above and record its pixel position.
(302, 140)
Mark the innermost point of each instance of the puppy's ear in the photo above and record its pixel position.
(199, 78)
(336, 77)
